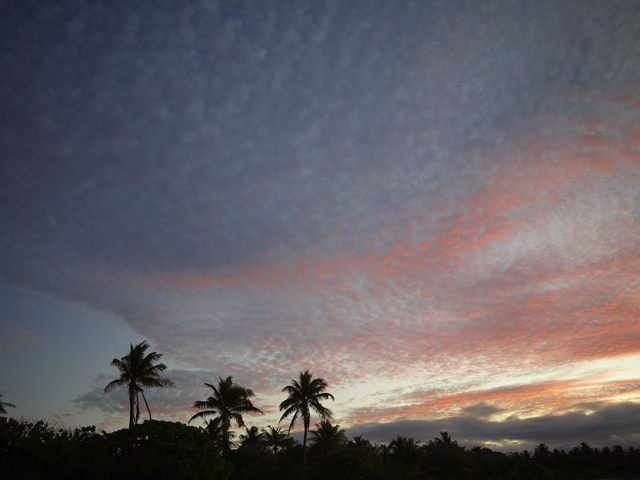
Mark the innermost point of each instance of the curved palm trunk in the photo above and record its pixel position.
(146, 403)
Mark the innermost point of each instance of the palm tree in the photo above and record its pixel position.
(213, 429)
(138, 370)
(404, 449)
(445, 439)
(274, 438)
(229, 402)
(327, 438)
(253, 439)
(362, 443)
(305, 395)
(5, 404)
(542, 454)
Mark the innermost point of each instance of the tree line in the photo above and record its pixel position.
(160, 449)
(157, 449)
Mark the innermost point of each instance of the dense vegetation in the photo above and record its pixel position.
(171, 450)
(154, 449)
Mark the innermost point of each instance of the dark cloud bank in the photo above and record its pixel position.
(598, 425)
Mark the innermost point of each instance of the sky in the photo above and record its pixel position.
(434, 206)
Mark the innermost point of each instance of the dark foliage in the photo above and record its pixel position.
(170, 450)
(354, 463)
(167, 450)
(31, 450)
(152, 450)
(265, 464)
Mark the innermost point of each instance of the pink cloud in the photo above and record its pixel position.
(535, 267)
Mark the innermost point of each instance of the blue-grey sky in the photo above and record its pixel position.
(432, 205)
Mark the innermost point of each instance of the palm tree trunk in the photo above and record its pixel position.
(304, 441)
(225, 439)
(145, 402)
(137, 408)
(131, 403)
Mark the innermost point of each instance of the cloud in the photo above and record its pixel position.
(482, 410)
(428, 195)
(210, 134)
(553, 284)
(529, 399)
(607, 425)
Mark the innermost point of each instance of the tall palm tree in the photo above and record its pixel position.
(138, 370)
(5, 404)
(228, 402)
(305, 395)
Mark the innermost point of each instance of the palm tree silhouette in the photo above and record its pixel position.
(305, 395)
(358, 441)
(445, 439)
(213, 429)
(5, 404)
(274, 438)
(138, 370)
(253, 439)
(542, 454)
(404, 449)
(327, 438)
(228, 402)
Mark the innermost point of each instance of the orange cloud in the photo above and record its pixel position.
(520, 400)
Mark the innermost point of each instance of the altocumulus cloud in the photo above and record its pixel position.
(438, 193)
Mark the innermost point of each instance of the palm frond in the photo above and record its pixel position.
(204, 414)
(5, 404)
(115, 384)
